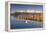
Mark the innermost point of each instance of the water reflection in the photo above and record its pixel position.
(18, 24)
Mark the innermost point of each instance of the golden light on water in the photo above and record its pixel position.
(35, 17)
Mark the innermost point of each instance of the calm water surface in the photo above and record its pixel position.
(19, 24)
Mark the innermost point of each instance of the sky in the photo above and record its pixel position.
(15, 7)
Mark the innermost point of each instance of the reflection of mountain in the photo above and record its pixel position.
(28, 16)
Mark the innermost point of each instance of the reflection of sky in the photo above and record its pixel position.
(15, 7)
(20, 24)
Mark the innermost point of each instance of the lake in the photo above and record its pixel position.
(20, 24)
